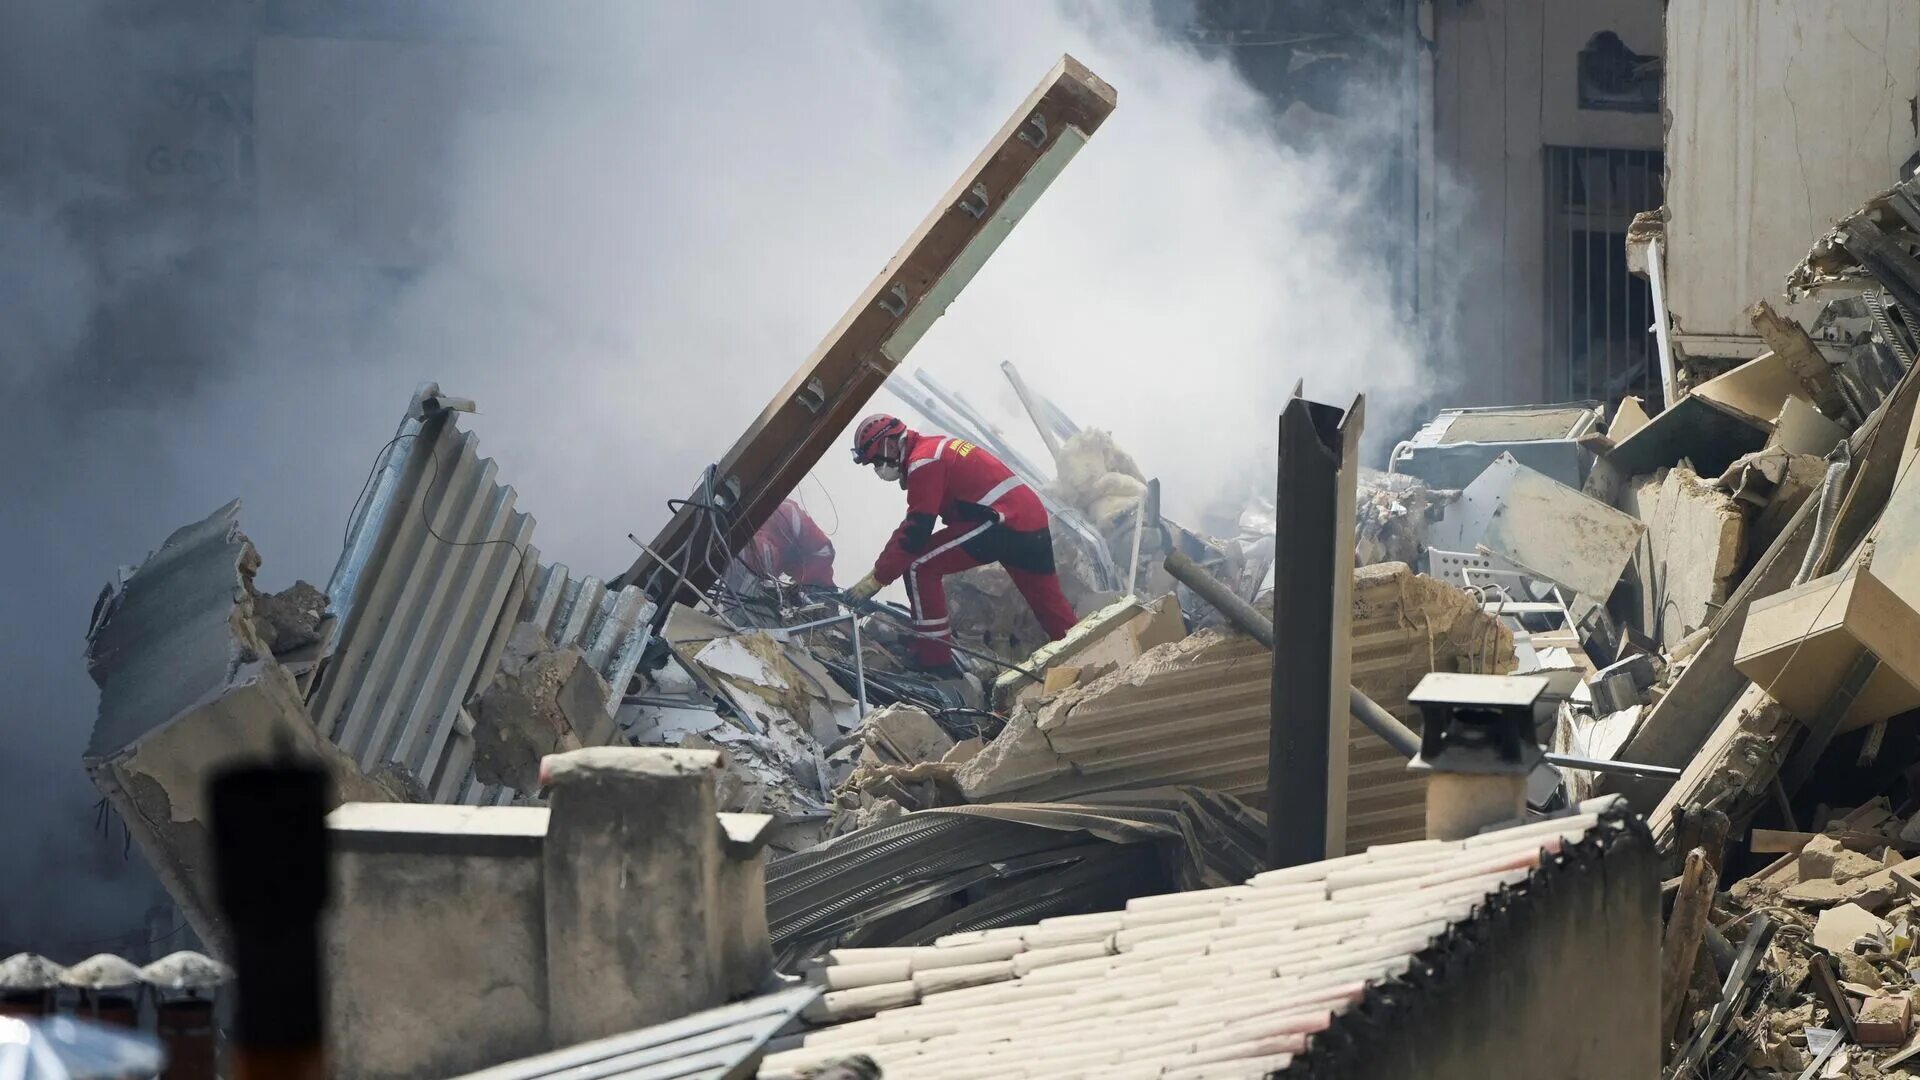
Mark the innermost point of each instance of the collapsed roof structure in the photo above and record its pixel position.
(1405, 744)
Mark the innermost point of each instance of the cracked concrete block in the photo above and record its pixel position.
(188, 687)
(543, 700)
(289, 619)
(1689, 559)
(905, 735)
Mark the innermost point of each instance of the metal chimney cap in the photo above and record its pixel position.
(1478, 691)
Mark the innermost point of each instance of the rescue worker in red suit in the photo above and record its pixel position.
(791, 543)
(990, 517)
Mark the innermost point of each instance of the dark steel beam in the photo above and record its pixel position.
(1312, 598)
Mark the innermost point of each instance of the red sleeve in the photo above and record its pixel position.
(926, 490)
(813, 562)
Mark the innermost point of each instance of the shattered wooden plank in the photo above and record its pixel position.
(890, 316)
(1682, 942)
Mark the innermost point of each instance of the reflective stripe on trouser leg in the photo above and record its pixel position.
(944, 557)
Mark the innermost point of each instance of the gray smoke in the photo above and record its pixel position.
(618, 227)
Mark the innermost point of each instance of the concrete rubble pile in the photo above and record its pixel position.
(1760, 642)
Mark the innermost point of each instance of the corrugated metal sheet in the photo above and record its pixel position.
(963, 868)
(1196, 712)
(726, 1043)
(438, 567)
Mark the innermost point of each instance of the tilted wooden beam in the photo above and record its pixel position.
(835, 383)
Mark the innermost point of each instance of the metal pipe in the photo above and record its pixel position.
(859, 669)
(1656, 277)
(1247, 619)
(1826, 510)
(1244, 616)
(1627, 768)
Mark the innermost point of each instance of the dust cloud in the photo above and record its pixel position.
(618, 227)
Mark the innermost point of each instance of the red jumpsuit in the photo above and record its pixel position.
(990, 517)
(791, 543)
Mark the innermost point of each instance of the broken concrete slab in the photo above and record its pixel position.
(904, 735)
(188, 687)
(1100, 643)
(542, 700)
(1541, 525)
(1687, 562)
(1775, 482)
(1630, 417)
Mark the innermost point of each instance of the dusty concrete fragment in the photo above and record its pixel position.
(1843, 924)
(188, 687)
(904, 735)
(965, 749)
(1688, 560)
(289, 619)
(1391, 516)
(543, 700)
(1817, 857)
(1102, 642)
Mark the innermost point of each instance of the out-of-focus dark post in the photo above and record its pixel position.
(1312, 592)
(270, 850)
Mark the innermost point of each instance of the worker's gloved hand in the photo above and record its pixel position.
(865, 588)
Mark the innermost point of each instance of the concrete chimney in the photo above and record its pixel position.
(1477, 745)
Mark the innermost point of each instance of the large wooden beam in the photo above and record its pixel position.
(875, 335)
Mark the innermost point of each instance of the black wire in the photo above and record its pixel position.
(368, 483)
(433, 455)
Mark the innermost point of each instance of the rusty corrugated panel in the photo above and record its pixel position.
(1196, 712)
(437, 568)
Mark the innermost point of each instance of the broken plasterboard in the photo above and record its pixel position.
(1756, 389)
(1547, 528)
(1630, 417)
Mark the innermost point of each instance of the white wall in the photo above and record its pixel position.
(1784, 115)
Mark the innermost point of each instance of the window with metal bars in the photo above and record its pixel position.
(1599, 342)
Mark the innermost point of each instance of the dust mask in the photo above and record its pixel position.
(887, 470)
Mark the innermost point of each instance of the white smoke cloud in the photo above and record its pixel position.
(620, 227)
